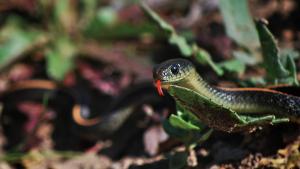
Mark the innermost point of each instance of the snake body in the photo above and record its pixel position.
(181, 72)
(76, 102)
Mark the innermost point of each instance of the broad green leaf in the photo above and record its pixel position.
(188, 116)
(186, 49)
(15, 42)
(244, 57)
(178, 122)
(239, 23)
(174, 131)
(217, 116)
(275, 70)
(60, 57)
(233, 65)
(184, 126)
(209, 111)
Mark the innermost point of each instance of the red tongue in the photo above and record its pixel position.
(158, 87)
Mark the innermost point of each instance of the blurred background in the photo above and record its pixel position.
(76, 83)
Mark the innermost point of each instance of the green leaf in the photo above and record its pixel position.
(209, 111)
(64, 15)
(288, 52)
(280, 67)
(275, 69)
(233, 65)
(107, 16)
(239, 23)
(174, 131)
(89, 9)
(253, 82)
(180, 42)
(178, 122)
(287, 57)
(59, 9)
(216, 115)
(184, 126)
(205, 136)
(244, 57)
(162, 24)
(97, 30)
(15, 42)
(104, 22)
(60, 57)
(291, 67)
(203, 56)
(188, 116)
(174, 38)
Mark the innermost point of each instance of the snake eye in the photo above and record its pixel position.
(175, 69)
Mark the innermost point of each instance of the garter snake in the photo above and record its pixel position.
(253, 101)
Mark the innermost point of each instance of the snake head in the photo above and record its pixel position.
(171, 72)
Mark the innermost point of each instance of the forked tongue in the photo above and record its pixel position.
(158, 87)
